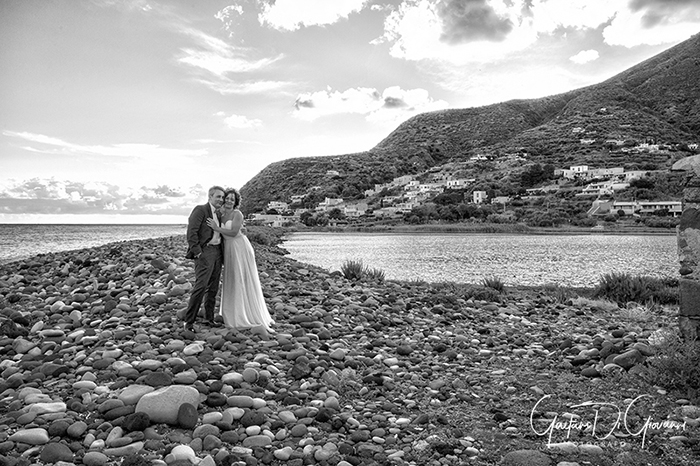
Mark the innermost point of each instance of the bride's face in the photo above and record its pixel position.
(229, 200)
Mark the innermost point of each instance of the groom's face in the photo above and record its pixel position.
(217, 198)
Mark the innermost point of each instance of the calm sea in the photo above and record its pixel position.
(23, 241)
(531, 260)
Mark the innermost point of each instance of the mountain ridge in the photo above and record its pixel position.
(657, 100)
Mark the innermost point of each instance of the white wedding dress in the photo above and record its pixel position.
(242, 301)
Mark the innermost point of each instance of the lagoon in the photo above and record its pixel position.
(527, 260)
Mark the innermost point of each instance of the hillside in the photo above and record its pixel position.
(656, 101)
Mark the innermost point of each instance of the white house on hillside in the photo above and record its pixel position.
(277, 205)
(330, 203)
(460, 183)
(478, 197)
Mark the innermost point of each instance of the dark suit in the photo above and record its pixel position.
(207, 263)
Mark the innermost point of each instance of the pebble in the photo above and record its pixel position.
(103, 370)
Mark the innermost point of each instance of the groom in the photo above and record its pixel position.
(204, 246)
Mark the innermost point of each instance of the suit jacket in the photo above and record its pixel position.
(198, 232)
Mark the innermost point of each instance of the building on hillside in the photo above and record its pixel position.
(501, 200)
(603, 188)
(459, 183)
(332, 173)
(402, 180)
(279, 206)
(604, 172)
(479, 197)
(432, 187)
(387, 212)
(330, 203)
(411, 185)
(355, 210)
(406, 207)
(635, 174)
(635, 208)
(297, 198)
(600, 207)
(389, 200)
(542, 190)
(575, 171)
(674, 208)
(270, 219)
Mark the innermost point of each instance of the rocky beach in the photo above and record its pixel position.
(97, 370)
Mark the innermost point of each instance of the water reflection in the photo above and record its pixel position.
(569, 260)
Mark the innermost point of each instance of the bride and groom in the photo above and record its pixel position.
(214, 238)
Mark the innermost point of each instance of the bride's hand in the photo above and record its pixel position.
(212, 224)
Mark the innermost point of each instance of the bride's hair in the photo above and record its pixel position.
(236, 196)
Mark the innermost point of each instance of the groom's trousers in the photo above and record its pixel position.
(207, 273)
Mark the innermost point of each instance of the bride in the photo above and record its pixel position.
(242, 301)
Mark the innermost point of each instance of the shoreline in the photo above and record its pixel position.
(484, 229)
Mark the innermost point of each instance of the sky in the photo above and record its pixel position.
(127, 111)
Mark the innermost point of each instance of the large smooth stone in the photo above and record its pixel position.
(163, 405)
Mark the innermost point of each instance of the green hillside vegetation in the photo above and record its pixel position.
(611, 124)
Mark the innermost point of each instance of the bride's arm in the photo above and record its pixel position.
(235, 227)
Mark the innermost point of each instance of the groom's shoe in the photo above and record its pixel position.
(215, 323)
(188, 326)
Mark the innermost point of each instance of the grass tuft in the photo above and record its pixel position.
(493, 283)
(356, 270)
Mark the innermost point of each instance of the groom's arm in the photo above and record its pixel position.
(193, 225)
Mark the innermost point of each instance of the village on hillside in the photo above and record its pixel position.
(398, 199)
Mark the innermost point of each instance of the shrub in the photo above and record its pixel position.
(493, 283)
(676, 365)
(623, 288)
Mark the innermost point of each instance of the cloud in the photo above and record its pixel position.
(52, 145)
(482, 31)
(465, 21)
(218, 57)
(226, 86)
(392, 104)
(240, 121)
(654, 22)
(51, 196)
(458, 32)
(585, 56)
(286, 15)
(294, 14)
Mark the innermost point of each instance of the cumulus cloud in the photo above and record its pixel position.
(392, 104)
(51, 196)
(470, 20)
(287, 15)
(585, 56)
(468, 31)
(457, 31)
(240, 121)
(294, 14)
